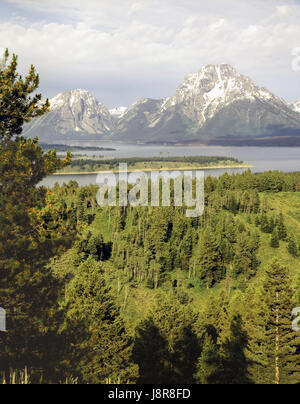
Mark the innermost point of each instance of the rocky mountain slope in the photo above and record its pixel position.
(216, 105)
(74, 115)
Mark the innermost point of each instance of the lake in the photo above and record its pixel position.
(285, 159)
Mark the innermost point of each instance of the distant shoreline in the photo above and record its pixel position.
(156, 169)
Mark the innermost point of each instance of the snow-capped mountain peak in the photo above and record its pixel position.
(213, 87)
(296, 106)
(72, 97)
(216, 101)
(212, 104)
(118, 112)
(72, 112)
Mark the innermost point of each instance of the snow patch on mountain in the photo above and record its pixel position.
(118, 112)
(214, 102)
(75, 112)
(214, 87)
(296, 106)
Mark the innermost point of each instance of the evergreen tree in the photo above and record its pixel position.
(265, 224)
(209, 260)
(234, 364)
(275, 239)
(256, 240)
(223, 358)
(273, 345)
(272, 224)
(209, 363)
(281, 227)
(257, 220)
(151, 353)
(256, 202)
(166, 347)
(16, 105)
(242, 259)
(245, 261)
(34, 227)
(292, 246)
(100, 345)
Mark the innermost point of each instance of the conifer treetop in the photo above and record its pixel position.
(16, 105)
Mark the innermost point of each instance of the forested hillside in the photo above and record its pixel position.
(197, 296)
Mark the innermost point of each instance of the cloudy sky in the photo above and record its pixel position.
(123, 50)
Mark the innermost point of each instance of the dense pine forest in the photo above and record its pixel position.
(142, 294)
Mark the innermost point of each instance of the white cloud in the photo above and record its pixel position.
(136, 7)
(151, 44)
(284, 11)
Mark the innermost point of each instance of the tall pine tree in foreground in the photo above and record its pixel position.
(31, 230)
(209, 362)
(16, 104)
(273, 346)
(166, 347)
(234, 364)
(100, 348)
(224, 343)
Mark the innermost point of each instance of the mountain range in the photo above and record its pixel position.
(216, 105)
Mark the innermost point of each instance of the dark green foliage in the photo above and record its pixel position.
(209, 363)
(273, 345)
(93, 245)
(265, 225)
(234, 364)
(166, 347)
(131, 161)
(151, 352)
(292, 246)
(282, 233)
(16, 105)
(245, 261)
(95, 330)
(34, 227)
(209, 260)
(85, 313)
(159, 249)
(275, 239)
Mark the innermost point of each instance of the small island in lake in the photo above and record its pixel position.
(64, 148)
(94, 166)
